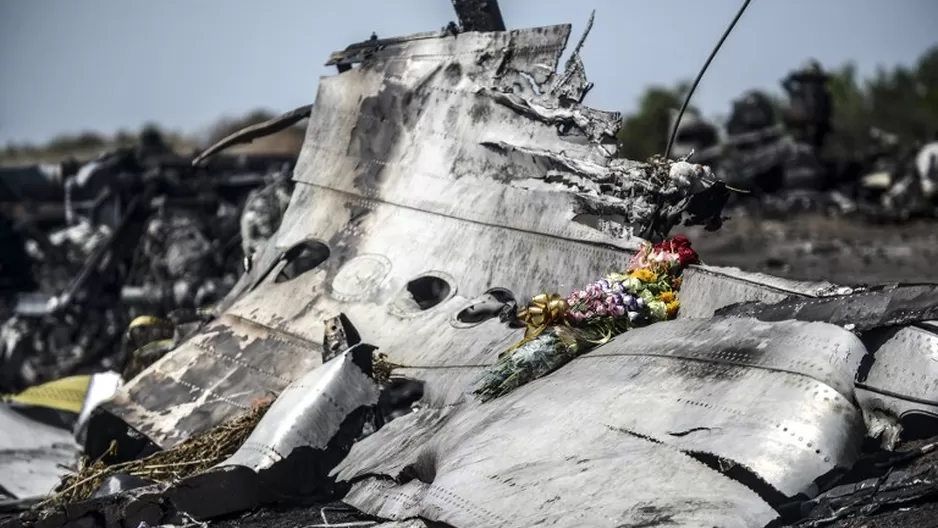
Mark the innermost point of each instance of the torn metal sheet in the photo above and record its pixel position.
(775, 398)
(310, 411)
(902, 378)
(881, 497)
(869, 308)
(416, 182)
(33, 455)
(509, 470)
(706, 289)
(897, 382)
(219, 373)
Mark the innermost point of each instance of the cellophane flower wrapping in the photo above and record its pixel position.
(644, 293)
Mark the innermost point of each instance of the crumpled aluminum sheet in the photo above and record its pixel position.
(309, 412)
(400, 177)
(33, 455)
(773, 397)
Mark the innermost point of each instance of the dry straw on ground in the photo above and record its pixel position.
(190, 457)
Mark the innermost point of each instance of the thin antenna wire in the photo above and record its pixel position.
(680, 114)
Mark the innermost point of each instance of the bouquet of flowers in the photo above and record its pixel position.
(559, 329)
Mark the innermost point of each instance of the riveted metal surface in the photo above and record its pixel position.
(308, 413)
(903, 377)
(775, 398)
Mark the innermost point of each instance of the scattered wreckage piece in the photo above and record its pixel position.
(895, 387)
(405, 159)
(684, 386)
(899, 492)
(31, 453)
(866, 308)
(138, 233)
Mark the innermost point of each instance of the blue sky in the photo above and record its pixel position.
(67, 66)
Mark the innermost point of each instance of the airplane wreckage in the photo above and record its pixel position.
(447, 183)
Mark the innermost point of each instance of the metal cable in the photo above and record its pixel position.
(680, 114)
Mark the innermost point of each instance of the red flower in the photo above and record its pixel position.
(680, 241)
(687, 256)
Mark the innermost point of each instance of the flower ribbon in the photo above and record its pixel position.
(545, 310)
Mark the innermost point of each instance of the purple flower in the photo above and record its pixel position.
(633, 316)
(618, 311)
(576, 317)
(598, 308)
(618, 287)
(604, 285)
(594, 291)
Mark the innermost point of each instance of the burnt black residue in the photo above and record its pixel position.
(453, 73)
(480, 112)
(647, 516)
(742, 475)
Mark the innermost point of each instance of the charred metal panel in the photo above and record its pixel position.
(899, 378)
(501, 474)
(437, 162)
(217, 374)
(862, 310)
(706, 289)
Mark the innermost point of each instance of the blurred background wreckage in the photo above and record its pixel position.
(445, 179)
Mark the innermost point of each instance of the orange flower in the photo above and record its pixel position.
(672, 308)
(666, 297)
(644, 275)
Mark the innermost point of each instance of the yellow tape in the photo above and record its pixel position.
(66, 394)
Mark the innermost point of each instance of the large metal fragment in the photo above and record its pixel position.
(706, 289)
(310, 411)
(425, 188)
(774, 398)
(897, 380)
(865, 309)
(902, 379)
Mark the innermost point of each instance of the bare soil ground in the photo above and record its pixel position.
(812, 247)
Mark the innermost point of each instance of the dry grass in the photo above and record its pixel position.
(191, 457)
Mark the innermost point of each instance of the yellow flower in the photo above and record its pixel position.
(645, 275)
(667, 296)
(672, 308)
